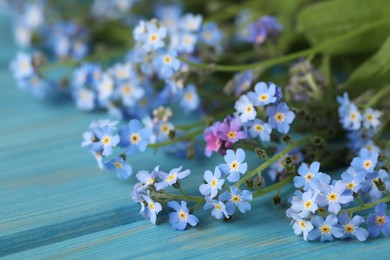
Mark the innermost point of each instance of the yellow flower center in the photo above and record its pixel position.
(214, 183)
(182, 215)
(332, 197)
(151, 206)
(248, 108)
(308, 204)
(235, 198)
(367, 164)
(153, 37)
(234, 165)
(167, 59)
(150, 181)
(207, 35)
(369, 117)
(349, 228)
(165, 129)
(353, 116)
(309, 176)
(302, 224)
(171, 177)
(279, 117)
(217, 206)
(263, 97)
(325, 229)
(231, 134)
(258, 128)
(351, 185)
(106, 140)
(380, 220)
(118, 165)
(135, 138)
(188, 96)
(127, 89)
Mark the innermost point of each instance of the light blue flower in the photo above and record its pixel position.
(258, 129)
(147, 179)
(244, 109)
(309, 176)
(85, 99)
(130, 91)
(166, 64)
(151, 209)
(135, 137)
(190, 22)
(280, 117)
(171, 178)
(302, 226)
(242, 82)
(306, 205)
(105, 88)
(378, 221)
(366, 161)
(234, 164)
(181, 217)
(264, 94)
(219, 208)
(107, 140)
(21, 65)
(213, 183)
(351, 227)
(38, 87)
(333, 195)
(184, 42)
(211, 34)
(371, 119)
(236, 199)
(326, 229)
(352, 119)
(122, 169)
(353, 179)
(153, 38)
(189, 98)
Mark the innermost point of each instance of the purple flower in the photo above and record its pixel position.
(219, 208)
(236, 198)
(171, 178)
(280, 117)
(181, 217)
(326, 229)
(234, 164)
(230, 131)
(214, 183)
(379, 221)
(333, 196)
(264, 94)
(351, 227)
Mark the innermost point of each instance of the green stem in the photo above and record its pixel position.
(188, 198)
(273, 187)
(365, 206)
(279, 60)
(272, 160)
(377, 96)
(176, 140)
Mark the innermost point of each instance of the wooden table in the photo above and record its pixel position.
(55, 203)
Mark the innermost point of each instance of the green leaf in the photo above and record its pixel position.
(374, 73)
(323, 21)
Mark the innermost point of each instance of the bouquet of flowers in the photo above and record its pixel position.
(302, 86)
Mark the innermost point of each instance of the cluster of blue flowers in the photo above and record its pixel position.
(361, 127)
(319, 197)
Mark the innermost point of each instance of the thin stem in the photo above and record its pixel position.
(197, 205)
(176, 140)
(188, 198)
(272, 160)
(360, 200)
(279, 60)
(365, 206)
(273, 187)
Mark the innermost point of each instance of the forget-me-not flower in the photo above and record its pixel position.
(234, 164)
(219, 208)
(280, 117)
(351, 227)
(264, 94)
(325, 228)
(181, 217)
(134, 137)
(258, 128)
(214, 183)
(245, 109)
(171, 178)
(378, 221)
(236, 199)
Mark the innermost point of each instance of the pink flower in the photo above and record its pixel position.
(213, 143)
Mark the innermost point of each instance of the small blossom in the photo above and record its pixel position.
(234, 164)
(122, 169)
(242, 82)
(106, 140)
(236, 198)
(351, 227)
(219, 208)
(245, 109)
(371, 118)
(189, 99)
(280, 117)
(257, 128)
(213, 143)
(332, 195)
(151, 37)
(264, 94)
(191, 22)
(181, 217)
(230, 131)
(308, 178)
(147, 179)
(326, 229)
(302, 226)
(210, 34)
(151, 209)
(306, 205)
(214, 183)
(353, 179)
(378, 222)
(352, 118)
(166, 63)
(22, 65)
(171, 178)
(134, 137)
(367, 160)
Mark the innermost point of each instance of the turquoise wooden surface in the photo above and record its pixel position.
(55, 203)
